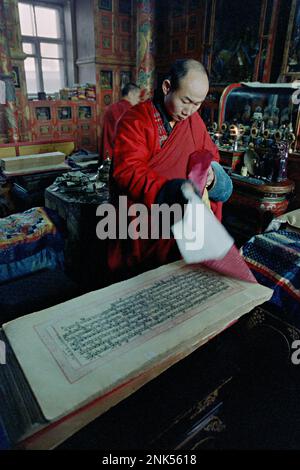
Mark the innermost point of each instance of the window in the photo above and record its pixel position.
(43, 40)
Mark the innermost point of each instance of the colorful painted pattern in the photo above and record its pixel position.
(162, 133)
(145, 51)
(16, 111)
(29, 242)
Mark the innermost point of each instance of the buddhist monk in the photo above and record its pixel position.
(130, 97)
(159, 144)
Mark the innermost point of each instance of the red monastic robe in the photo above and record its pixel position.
(141, 168)
(111, 118)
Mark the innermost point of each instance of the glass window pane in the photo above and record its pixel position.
(28, 48)
(53, 75)
(26, 19)
(31, 76)
(51, 50)
(47, 21)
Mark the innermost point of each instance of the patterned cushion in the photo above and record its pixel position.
(274, 258)
(29, 241)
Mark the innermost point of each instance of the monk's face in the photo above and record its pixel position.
(187, 99)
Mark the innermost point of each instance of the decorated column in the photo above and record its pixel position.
(145, 44)
(17, 57)
(9, 123)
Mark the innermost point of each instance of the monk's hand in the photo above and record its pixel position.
(176, 191)
(210, 178)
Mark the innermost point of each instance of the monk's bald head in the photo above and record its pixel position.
(184, 68)
(185, 88)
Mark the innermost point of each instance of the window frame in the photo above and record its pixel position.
(37, 40)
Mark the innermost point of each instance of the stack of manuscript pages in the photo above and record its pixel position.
(33, 163)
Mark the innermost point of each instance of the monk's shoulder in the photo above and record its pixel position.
(197, 120)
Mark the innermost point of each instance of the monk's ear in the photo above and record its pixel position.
(166, 87)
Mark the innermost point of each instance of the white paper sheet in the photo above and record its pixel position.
(199, 235)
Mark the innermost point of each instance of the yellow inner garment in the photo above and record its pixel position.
(205, 198)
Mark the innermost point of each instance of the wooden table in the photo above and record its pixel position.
(85, 255)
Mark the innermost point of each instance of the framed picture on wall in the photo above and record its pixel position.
(64, 112)
(107, 100)
(235, 42)
(125, 77)
(291, 58)
(106, 42)
(106, 80)
(106, 22)
(16, 76)
(105, 5)
(43, 113)
(125, 45)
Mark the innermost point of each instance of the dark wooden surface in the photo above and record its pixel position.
(294, 174)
